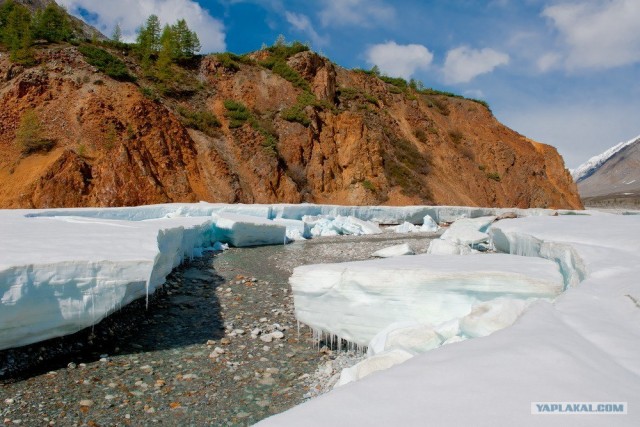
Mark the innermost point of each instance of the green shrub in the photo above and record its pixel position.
(348, 93)
(494, 176)
(106, 62)
(421, 135)
(149, 93)
(228, 61)
(283, 70)
(481, 102)
(237, 113)
(368, 185)
(398, 82)
(456, 136)
(353, 94)
(266, 129)
(29, 134)
(283, 50)
(297, 114)
(204, 121)
(482, 167)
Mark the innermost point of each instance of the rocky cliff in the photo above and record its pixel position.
(231, 129)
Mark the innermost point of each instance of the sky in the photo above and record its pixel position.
(562, 72)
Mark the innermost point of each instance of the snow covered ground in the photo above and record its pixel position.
(582, 347)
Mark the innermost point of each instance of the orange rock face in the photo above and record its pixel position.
(365, 142)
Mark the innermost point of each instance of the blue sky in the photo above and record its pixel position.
(563, 72)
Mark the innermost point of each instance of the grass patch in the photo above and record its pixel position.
(231, 61)
(29, 135)
(284, 51)
(398, 82)
(296, 113)
(405, 166)
(237, 113)
(368, 185)
(494, 176)
(106, 63)
(204, 121)
(281, 68)
(456, 136)
(420, 135)
(485, 104)
(265, 128)
(348, 93)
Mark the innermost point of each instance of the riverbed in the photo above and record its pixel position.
(217, 345)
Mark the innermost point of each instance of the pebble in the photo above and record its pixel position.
(266, 337)
(86, 402)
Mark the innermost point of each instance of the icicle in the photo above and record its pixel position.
(146, 290)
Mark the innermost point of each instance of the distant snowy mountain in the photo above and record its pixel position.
(612, 178)
(589, 167)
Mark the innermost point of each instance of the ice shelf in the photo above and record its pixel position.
(583, 347)
(356, 300)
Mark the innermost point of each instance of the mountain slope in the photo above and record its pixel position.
(591, 166)
(612, 178)
(232, 129)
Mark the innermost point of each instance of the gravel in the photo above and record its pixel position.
(218, 345)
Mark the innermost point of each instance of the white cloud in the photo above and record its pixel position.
(474, 93)
(132, 14)
(399, 60)
(364, 13)
(302, 23)
(548, 61)
(463, 64)
(598, 34)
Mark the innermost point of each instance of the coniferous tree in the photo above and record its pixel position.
(187, 41)
(167, 54)
(116, 36)
(52, 24)
(149, 39)
(17, 32)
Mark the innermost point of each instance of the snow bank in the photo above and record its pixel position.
(296, 229)
(244, 230)
(59, 275)
(467, 231)
(413, 337)
(491, 316)
(356, 300)
(583, 347)
(323, 225)
(446, 247)
(379, 362)
(396, 250)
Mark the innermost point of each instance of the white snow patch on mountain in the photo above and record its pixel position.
(588, 168)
